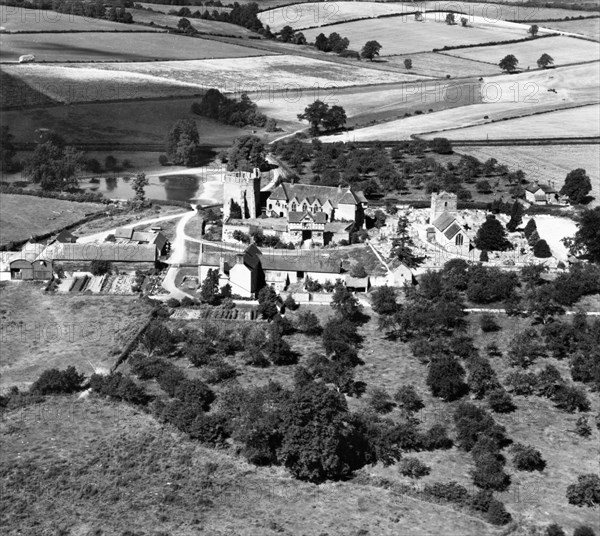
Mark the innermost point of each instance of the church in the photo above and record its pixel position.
(444, 227)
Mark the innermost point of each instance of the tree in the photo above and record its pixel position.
(54, 382)
(491, 236)
(184, 24)
(473, 422)
(450, 18)
(267, 302)
(358, 270)
(533, 30)
(370, 50)
(337, 43)
(403, 243)
(500, 401)
(100, 267)
(163, 159)
(278, 351)
(7, 150)
(441, 146)
(508, 63)
(482, 377)
(586, 242)
(247, 153)
(584, 530)
(545, 60)
(554, 530)
(516, 216)
(408, 400)
(335, 118)
(383, 300)
(530, 228)
(407, 63)
(527, 458)
(314, 113)
(209, 290)
(286, 34)
(322, 43)
(183, 143)
(345, 303)
(139, 186)
(307, 322)
(464, 21)
(54, 166)
(379, 399)
(483, 187)
(413, 468)
(586, 492)
(541, 250)
(445, 378)
(577, 186)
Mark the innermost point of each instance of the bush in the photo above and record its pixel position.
(488, 323)
(471, 422)
(500, 401)
(220, 372)
(586, 492)
(541, 250)
(582, 427)
(54, 382)
(451, 492)
(408, 400)
(99, 267)
(120, 387)
(489, 473)
(413, 468)
(497, 514)
(445, 378)
(554, 530)
(380, 400)
(254, 357)
(290, 303)
(436, 438)
(522, 383)
(526, 458)
(571, 399)
(584, 530)
(307, 322)
(163, 160)
(195, 393)
(173, 302)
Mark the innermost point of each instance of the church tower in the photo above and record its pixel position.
(442, 202)
(241, 194)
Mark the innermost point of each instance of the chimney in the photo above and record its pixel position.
(221, 265)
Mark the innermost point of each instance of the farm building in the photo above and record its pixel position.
(249, 271)
(542, 194)
(65, 237)
(14, 267)
(158, 239)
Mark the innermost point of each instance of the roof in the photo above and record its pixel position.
(106, 251)
(124, 232)
(452, 231)
(158, 239)
(338, 226)
(443, 221)
(300, 263)
(533, 188)
(286, 191)
(357, 282)
(65, 236)
(297, 217)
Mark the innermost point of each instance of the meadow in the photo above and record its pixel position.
(42, 331)
(577, 122)
(564, 50)
(165, 8)
(121, 46)
(405, 35)
(24, 216)
(588, 27)
(439, 65)
(18, 19)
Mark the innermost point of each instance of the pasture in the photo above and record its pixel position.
(439, 65)
(116, 47)
(564, 50)
(576, 122)
(23, 216)
(547, 164)
(42, 331)
(18, 19)
(120, 123)
(405, 35)
(203, 26)
(166, 8)
(588, 27)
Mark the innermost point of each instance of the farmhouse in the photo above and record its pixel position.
(249, 271)
(445, 229)
(541, 194)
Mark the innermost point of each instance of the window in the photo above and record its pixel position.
(445, 204)
(270, 206)
(459, 240)
(293, 207)
(304, 207)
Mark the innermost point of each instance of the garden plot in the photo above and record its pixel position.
(121, 284)
(564, 50)
(103, 46)
(405, 35)
(18, 19)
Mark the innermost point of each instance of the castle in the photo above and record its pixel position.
(241, 194)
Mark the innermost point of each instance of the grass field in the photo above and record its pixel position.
(22, 216)
(17, 92)
(165, 8)
(130, 122)
(562, 49)
(587, 27)
(404, 35)
(583, 121)
(18, 19)
(42, 331)
(548, 164)
(116, 47)
(203, 26)
(439, 65)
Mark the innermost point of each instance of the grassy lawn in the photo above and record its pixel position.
(23, 216)
(42, 331)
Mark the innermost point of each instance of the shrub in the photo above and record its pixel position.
(99, 267)
(554, 530)
(445, 378)
(220, 372)
(584, 530)
(408, 400)
(54, 382)
(358, 270)
(173, 302)
(582, 427)
(413, 468)
(380, 400)
(436, 438)
(489, 473)
(482, 377)
(120, 387)
(290, 303)
(451, 492)
(163, 160)
(471, 422)
(571, 399)
(526, 458)
(488, 323)
(522, 383)
(586, 492)
(195, 393)
(497, 514)
(542, 250)
(307, 322)
(170, 378)
(500, 401)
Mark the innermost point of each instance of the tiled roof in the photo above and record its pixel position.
(65, 236)
(306, 263)
(124, 232)
(158, 239)
(443, 221)
(452, 231)
(533, 188)
(357, 282)
(297, 217)
(106, 251)
(335, 195)
(338, 226)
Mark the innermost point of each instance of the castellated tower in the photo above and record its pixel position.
(440, 203)
(241, 189)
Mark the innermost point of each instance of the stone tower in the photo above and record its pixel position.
(241, 189)
(442, 202)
